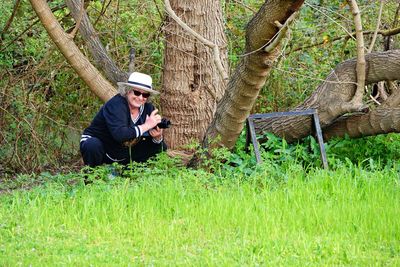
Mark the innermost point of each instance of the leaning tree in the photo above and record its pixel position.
(205, 102)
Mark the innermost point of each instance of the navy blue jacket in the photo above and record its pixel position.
(113, 125)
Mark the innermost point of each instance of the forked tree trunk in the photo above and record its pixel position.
(192, 84)
(91, 76)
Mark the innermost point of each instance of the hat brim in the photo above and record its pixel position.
(145, 89)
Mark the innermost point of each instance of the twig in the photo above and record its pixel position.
(10, 19)
(19, 35)
(378, 23)
(79, 20)
(214, 47)
(373, 99)
(389, 32)
(115, 26)
(102, 11)
(281, 34)
(158, 10)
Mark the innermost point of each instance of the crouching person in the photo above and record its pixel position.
(125, 128)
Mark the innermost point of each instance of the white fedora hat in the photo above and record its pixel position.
(141, 81)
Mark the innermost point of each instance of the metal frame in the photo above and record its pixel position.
(309, 112)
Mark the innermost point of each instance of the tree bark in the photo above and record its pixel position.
(96, 48)
(192, 84)
(378, 121)
(100, 86)
(251, 73)
(331, 97)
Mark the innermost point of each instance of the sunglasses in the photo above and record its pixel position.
(137, 93)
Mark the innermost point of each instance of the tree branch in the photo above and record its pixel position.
(378, 121)
(91, 76)
(78, 20)
(96, 48)
(356, 102)
(281, 34)
(10, 19)
(378, 23)
(251, 73)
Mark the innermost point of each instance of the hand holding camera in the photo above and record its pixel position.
(164, 124)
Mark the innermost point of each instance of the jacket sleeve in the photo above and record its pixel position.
(116, 115)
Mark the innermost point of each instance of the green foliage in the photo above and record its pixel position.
(375, 152)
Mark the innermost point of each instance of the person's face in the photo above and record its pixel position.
(137, 97)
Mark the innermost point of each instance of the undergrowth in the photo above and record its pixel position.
(160, 213)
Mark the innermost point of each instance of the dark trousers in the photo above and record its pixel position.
(93, 152)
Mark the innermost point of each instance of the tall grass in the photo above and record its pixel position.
(183, 217)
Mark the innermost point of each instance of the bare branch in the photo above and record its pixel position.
(115, 26)
(374, 99)
(102, 11)
(89, 74)
(378, 23)
(360, 68)
(96, 48)
(348, 33)
(281, 34)
(10, 19)
(79, 20)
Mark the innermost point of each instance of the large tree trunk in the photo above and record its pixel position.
(251, 73)
(192, 84)
(100, 86)
(332, 97)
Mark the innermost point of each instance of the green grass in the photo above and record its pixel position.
(184, 217)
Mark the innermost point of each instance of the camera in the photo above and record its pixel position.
(165, 123)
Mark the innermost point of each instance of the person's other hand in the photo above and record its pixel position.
(156, 133)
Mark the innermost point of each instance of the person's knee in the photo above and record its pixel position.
(92, 145)
(92, 151)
